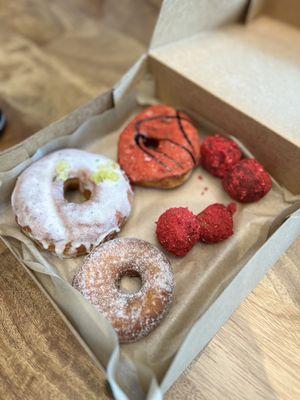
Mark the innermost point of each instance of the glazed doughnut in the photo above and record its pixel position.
(65, 228)
(159, 148)
(133, 315)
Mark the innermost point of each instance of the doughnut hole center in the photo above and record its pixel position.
(74, 191)
(130, 282)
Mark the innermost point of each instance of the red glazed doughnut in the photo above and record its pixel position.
(133, 315)
(159, 148)
(218, 154)
(247, 181)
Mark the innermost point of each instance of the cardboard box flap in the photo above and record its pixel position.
(182, 19)
(21, 152)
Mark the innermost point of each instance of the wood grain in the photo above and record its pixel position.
(18, 126)
(39, 357)
(54, 56)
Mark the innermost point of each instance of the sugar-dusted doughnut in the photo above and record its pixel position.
(133, 315)
(159, 148)
(66, 228)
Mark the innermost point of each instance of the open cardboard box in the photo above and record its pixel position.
(234, 65)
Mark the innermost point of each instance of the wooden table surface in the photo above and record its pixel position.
(55, 56)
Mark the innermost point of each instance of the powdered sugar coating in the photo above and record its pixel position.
(68, 228)
(133, 315)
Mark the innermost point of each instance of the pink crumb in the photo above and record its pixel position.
(231, 208)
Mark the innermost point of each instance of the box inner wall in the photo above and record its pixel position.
(245, 78)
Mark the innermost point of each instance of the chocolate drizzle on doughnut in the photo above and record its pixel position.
(179, 119)
(147, 143)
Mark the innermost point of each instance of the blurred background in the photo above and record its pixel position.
(56, 55)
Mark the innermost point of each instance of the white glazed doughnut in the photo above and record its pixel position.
(62, 227)
(133, 315)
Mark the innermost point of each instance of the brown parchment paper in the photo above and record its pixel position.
(205, 271)
(200, 276)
